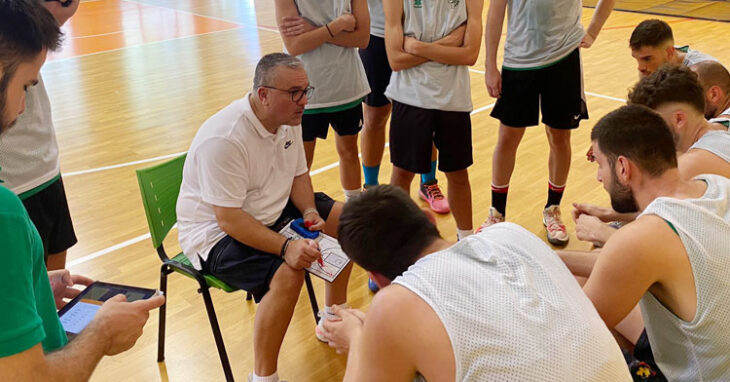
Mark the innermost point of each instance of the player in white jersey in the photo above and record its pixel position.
(652, 45)
(324, 34)
(34, 172)
(376, 110)
(542, 73)
(715, 81)
(434, 111)
(496, 306)
(673, 257)
(675, 93)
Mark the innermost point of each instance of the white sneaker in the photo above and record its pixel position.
(493, 218)
(554, 227)
(319, 330)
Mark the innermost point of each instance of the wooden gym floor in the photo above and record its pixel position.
(137, 78)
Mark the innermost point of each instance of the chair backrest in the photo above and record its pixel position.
(160, 186)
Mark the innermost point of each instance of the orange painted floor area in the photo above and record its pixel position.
(104, 25)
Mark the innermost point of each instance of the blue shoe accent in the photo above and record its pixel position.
(372, 286)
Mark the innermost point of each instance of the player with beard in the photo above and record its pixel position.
(677, 95)
(672, 259)
(715, 81)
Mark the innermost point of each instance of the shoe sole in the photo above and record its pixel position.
(425, 199)
(553, 241)
(320, 335)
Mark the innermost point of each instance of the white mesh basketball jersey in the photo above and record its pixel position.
(716, 142)
(513, 311)
(722, 120)
(377, 18)
(432, 85)
(692, 57)
(697, 350)
(336, 72)
(29, 151)
(541, 32)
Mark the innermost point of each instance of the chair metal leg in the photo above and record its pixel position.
(217, 334)
(312, 297)
(164, 270)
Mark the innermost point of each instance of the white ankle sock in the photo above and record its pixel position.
(329, 311)
(351, 194)
(271, 378)
(462, 233)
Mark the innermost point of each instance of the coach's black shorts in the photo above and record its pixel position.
(556, 90)
(48, 209)
(344, 122)
(414, 130)
(377, 68)
(248, 268)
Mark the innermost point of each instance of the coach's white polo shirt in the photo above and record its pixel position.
(235, 162)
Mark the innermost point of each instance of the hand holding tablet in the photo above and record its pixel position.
(91, 303)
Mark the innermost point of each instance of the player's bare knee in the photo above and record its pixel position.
(288, 278)
(458, 178)
(558, 138)
(347, 148)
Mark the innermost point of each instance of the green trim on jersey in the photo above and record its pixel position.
(334, 109)
(33, 191)
(672, 226)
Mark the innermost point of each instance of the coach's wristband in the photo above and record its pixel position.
(284, 247)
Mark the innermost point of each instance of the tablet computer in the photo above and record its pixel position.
(81, 310)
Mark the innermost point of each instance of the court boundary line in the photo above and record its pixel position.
(120, 165)
(55, 60)
(95, 35)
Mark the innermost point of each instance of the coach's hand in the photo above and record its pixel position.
(301, 253)
(313, 221)
(493, 80)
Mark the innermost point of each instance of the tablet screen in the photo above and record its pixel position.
(81, 310)
(76, 318)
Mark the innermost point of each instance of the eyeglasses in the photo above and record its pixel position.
(297, 94)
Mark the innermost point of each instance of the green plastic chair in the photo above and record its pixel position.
(160, 187)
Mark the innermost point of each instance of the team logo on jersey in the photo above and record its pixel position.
(454, 3)
(417, 3)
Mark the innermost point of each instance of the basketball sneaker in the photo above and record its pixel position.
(493, 218)
(554, 227)
(431, 193)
